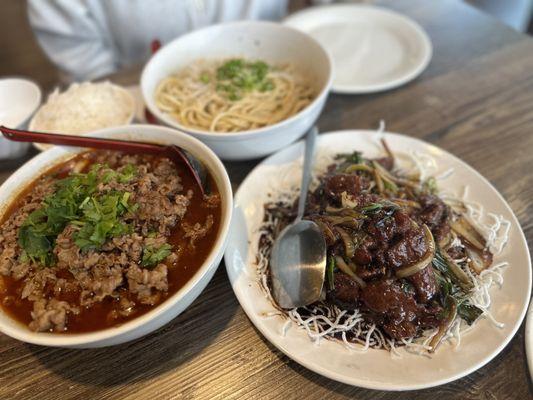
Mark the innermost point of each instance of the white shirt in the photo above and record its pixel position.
(91, 38)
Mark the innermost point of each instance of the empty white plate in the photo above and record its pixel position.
(373, 49)
(19, 98)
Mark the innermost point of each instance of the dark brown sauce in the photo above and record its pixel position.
(97, 317)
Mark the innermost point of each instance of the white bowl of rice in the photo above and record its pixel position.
(246, 89)
(82, 108)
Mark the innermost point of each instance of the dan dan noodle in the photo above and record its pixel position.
(233, 95)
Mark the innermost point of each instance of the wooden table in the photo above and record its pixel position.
(475, 100)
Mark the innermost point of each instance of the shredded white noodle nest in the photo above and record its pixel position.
(329, 321)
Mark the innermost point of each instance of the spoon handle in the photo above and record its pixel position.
(309, 150)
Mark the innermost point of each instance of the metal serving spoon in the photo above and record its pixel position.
(175, 153)
(298, 260)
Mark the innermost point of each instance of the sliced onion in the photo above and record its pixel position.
(464, 229)
(478, 261)
(388, 150)
(384, 176)
(358, 167)
(349, 245)
(333, 210)
(406, 203)
(344, 220)
(348, 201)
(387, 175)
(326, 230)
(445, 241)
(348, 271)
(379, 181)
(343, 212)
(463, 278)
(352, 213)
(443, 328)
(424, 262)
(382, 170)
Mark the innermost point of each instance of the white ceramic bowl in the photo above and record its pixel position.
(271, 42)
(80, 101)
(175, 304)
(19, 98)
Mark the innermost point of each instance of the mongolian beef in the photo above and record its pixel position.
(102, 239)
(400, 261)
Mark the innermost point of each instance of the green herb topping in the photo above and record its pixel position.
(76, 201)
(353, 158)
(153, 256)
(451, 290)
(330, 272)
(237, 76)
(430, 186)
(204, 77)
(100, 219)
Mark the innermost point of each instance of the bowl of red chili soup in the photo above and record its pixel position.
(101, 247)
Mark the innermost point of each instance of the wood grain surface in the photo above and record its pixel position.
(475, 100)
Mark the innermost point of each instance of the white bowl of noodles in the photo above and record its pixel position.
(246, 89)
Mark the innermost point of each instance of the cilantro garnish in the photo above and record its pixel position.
(100, 219)
(76, 201)
(154, 255)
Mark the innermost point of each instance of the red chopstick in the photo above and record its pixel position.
(18, 135)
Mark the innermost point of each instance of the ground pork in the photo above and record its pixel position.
(198, 230)
(50, 315)
(146, 283)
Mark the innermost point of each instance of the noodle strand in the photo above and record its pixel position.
(196, 103)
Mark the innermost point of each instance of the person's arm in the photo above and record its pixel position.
(76, 41)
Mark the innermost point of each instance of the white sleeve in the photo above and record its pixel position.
(72, 37)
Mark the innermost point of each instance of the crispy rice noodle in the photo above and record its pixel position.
(328, 321)
(196, 104)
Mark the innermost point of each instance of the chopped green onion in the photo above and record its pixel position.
(330, 273)
(237, 76)
(469, 312)
(153, 256)
(372, 208)
(430, 185)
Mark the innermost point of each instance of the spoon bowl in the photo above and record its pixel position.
(298, 261)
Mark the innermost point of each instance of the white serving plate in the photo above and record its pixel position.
(373, 49)
(376, 369)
